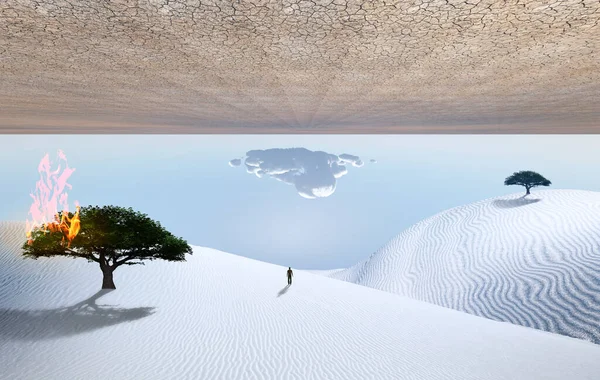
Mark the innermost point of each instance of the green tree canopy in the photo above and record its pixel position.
(111, 236)
(528, 179)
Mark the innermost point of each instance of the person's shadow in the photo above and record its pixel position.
(284, 290)
(31, 325)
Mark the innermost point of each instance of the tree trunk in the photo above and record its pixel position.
(107, 280)
(527, 193)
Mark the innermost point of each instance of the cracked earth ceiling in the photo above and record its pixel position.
(319, 66)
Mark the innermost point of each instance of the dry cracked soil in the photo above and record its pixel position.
(318, 66)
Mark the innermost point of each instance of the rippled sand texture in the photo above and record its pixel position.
(220, 316)
(531, 261)
(294, 66)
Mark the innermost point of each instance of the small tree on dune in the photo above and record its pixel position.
(528, 179)
(112, 236)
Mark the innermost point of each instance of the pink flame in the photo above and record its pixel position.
(49, 196)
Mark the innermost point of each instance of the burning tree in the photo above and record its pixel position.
(112, 236)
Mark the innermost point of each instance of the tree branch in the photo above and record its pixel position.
(123, 261)
(82, 255)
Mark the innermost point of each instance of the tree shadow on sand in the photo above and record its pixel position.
(85, 316)
(512, 203)
(283, 291)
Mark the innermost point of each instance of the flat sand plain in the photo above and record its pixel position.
(280, 66)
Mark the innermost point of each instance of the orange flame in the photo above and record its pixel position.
(49, 195)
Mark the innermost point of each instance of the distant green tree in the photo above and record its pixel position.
(111, 236)
(528, 179)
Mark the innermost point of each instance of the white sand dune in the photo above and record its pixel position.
(220, 316)
(531, 261)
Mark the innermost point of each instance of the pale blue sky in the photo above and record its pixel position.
(185, 182)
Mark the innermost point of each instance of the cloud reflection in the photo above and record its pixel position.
(314, 174)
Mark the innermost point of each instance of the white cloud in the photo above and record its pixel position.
(353, 160)
(314, 174)
(235, 162)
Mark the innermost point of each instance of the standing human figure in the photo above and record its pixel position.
(290, 274)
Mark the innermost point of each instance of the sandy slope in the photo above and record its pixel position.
(220, 316)
(533, 262)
